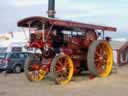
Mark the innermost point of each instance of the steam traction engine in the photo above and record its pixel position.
(67, 48)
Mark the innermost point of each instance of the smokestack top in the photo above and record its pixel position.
(51, 8)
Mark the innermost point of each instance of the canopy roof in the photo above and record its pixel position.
(38, 20)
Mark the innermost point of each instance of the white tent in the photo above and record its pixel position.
(15, 39)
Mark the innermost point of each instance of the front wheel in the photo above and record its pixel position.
(62, 69)
(32, 68)
(100, 58)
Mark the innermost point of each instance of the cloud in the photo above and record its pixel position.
(108, 12)
(22, 3)
(120, 39)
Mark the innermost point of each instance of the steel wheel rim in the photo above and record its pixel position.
(63, 70)
(103, 59)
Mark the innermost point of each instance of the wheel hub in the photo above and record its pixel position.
(64, 69)
(101, 58)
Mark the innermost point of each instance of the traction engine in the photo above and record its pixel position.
(67, 48)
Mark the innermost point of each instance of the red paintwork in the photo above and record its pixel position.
(65, 23)
(35, 66)
(77, 47)
(36, 44)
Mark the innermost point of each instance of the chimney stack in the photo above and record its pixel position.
(51, 8)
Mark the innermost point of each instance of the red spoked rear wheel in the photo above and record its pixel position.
(100, 58)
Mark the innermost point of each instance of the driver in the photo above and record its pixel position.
(58, 39)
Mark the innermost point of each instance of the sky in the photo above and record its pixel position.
(102, 12)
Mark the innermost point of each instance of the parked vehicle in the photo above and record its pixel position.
(13, 61)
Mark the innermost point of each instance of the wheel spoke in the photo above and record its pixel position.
(105, 56)
(97, 60)
(65, 63)
(104, 62)
(62, 76)
(60, 62)
(97, 54)
(98, 65)
(65, 74)
(63, 69)
(58, 71)
(58, 66)
(100, 70)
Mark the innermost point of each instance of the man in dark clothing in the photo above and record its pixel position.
(58, 39)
